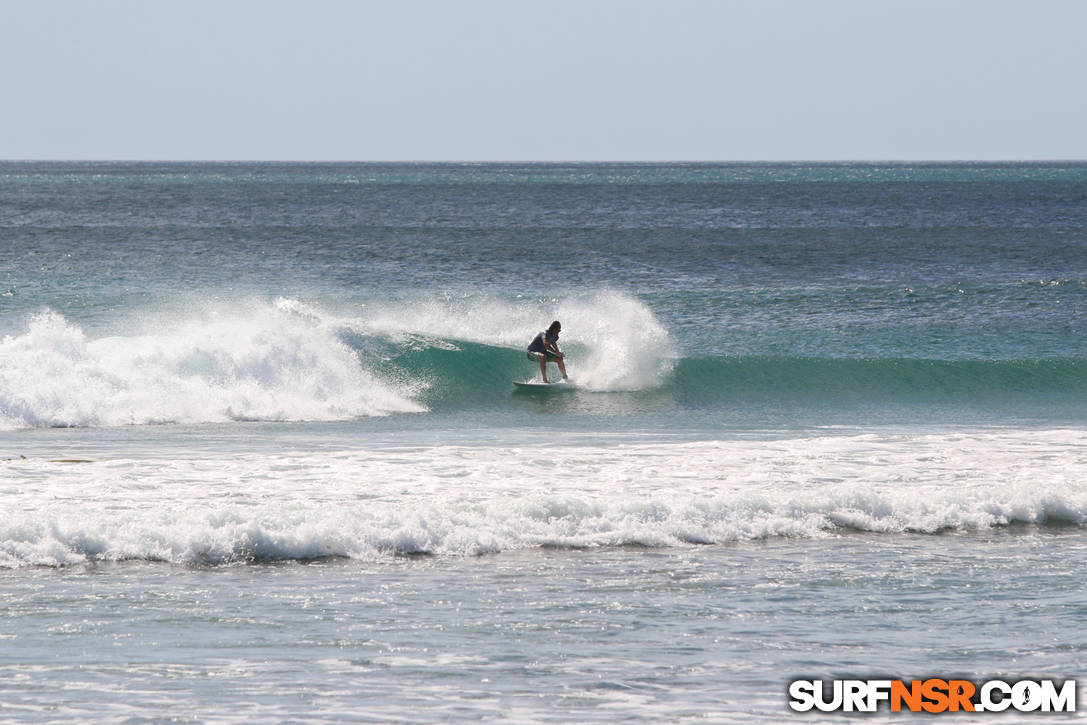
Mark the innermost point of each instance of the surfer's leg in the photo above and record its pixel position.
(543, 367)
(562, 367)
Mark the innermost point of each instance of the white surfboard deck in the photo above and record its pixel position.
(556, 387)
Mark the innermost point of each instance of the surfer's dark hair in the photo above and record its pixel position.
(556, 325)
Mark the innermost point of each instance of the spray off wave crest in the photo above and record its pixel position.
(254, 364)
(613, 341)
(292, 361)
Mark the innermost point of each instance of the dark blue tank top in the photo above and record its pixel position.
(537, 344)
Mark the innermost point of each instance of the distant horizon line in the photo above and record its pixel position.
(546, 162)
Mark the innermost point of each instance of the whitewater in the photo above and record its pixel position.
(470, 500)
(288, 361)
(262, 458)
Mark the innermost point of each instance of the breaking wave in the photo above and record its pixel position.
(290, 361)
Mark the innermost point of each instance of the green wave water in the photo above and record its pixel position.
(722, 379)
(473, 374)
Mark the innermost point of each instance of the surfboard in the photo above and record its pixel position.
(534, 385)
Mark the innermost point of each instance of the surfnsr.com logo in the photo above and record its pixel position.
(933, 695)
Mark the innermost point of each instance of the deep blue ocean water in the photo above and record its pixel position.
(263, 459)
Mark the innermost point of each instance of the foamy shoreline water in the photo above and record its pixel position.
(534, 636)
(454, 500)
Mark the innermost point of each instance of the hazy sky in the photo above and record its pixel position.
(543, 79)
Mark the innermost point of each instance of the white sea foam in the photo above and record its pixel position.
(255, 362)
(287, 361)
(471, 500)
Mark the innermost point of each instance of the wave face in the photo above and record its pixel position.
(904, 380)
(471, 500)
(464, 352)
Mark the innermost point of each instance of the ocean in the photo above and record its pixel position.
(262, 460)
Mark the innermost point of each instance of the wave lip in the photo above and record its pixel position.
(256, 364)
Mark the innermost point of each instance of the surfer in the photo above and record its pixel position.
(545, 348)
